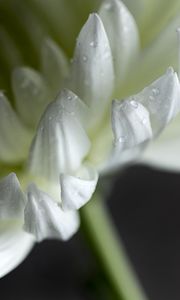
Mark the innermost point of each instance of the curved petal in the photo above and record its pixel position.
(164, 152)
(15, 245)
(12, 199)
(77, 190)
(61, 142)
(31, 94)
(123, 36)
(45, 219)
(156, 58)
(131, 124)
(93, 64)
(54, 65)
(14, 143)
(162, 99)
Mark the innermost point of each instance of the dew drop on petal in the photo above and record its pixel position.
(155, 91)
(93, 44)
(121, 139)
(134, 104)
(85, 58)
(144, 121)
(151, 98)
(108, 6)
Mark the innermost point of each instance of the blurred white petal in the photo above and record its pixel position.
(15, 245)
(12, 199)
(31, 94)
(14, 137)
(54, 64)
(45, 219)
(123, 35)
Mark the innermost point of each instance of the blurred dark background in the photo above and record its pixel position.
(145, 205)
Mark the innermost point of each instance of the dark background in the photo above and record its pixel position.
(145, 205)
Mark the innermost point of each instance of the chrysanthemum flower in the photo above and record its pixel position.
(70, 122)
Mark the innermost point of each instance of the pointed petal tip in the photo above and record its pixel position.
(44, 219)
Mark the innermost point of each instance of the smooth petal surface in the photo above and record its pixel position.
(45, 219)
(130, 123)
(61, 142)
(13, 143)
(163, 153)
(162, 99)
(15, 245)
(77, 190)
(156, 58)
(54, 64)
(93, 63)
(123, 35)
(12, 199)
(31, 94)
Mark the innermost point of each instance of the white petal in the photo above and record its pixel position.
(92, 75)
(123, 35)
(77, 190)
(156, 57)
(14, 137)
(61, 143)
(12, 199)
(131, 124)
(31, 94)
(15, 245)
(54, 64)
(162, 99)
(45, 219)
(72, 104)
(163, 153)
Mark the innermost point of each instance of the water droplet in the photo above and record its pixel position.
(144, 121)
(151, 98)
(69, 98)
(85, 58)
(108, 6)
(93, 44)
(122, 139)
(134, 104)
(155, 91)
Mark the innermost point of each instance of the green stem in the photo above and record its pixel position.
(110, 251)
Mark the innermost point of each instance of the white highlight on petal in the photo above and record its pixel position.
(123, 35)
(77, 190)
(130, 123)
(12, 199)
(54, 64)
(92, 74)
(15, 245)
(61, 142)
(31, 94)
(45, 219)
(162, 99)
(178, 37)
(14, 137)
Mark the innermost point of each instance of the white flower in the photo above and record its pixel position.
(59, 148)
